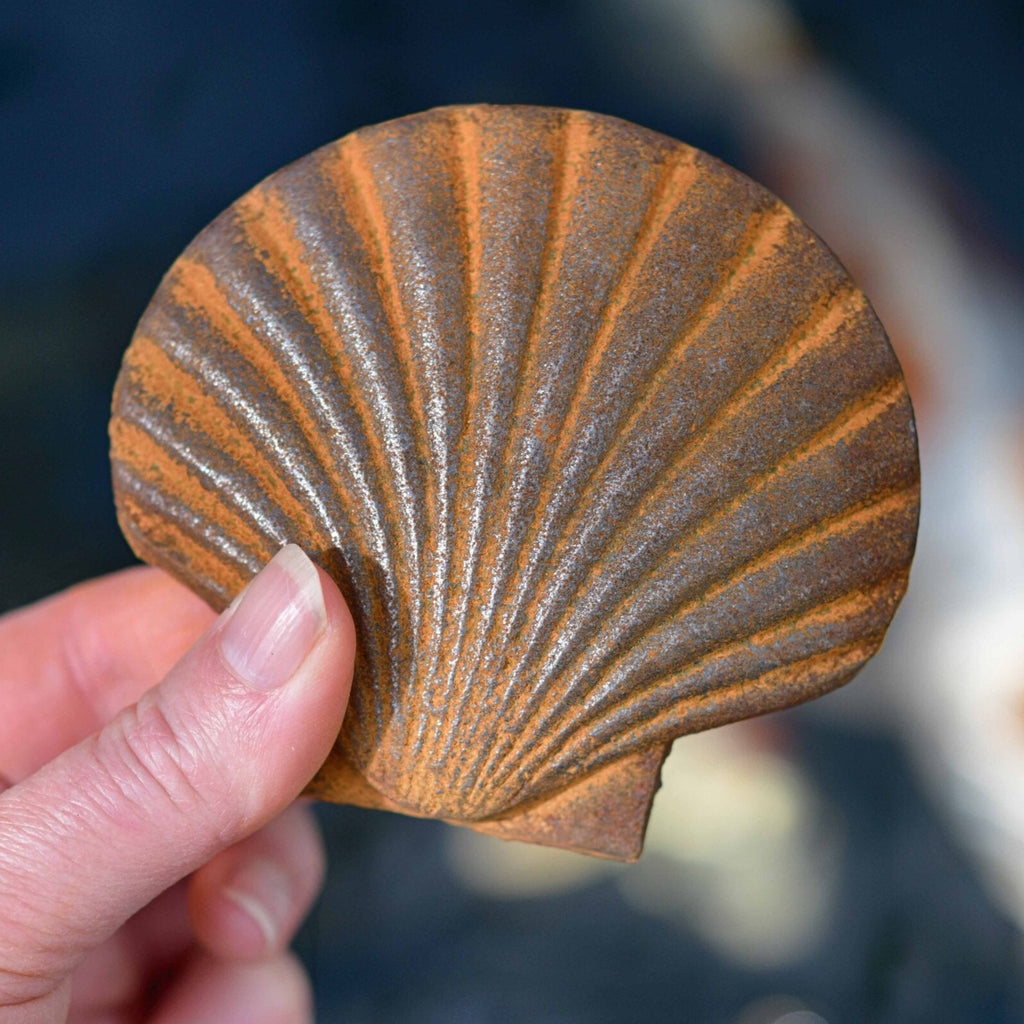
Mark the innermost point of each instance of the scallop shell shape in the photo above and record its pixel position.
(601, 443)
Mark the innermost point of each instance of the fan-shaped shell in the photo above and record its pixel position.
(601, 443)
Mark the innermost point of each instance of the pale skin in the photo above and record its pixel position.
(153, 865)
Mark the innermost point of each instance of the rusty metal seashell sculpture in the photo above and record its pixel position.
(600, 442)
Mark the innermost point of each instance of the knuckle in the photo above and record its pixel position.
(155, 762)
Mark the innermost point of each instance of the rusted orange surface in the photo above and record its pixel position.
(601, 443)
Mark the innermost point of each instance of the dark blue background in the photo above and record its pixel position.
(126, 126)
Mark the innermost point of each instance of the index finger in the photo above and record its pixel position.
(69, 663)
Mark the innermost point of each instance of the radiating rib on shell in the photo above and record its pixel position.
(601, 443)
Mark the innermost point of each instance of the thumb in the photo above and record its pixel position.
(220, 747)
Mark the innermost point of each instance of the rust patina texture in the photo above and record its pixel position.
(599, 440)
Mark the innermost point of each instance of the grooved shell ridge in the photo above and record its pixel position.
(600, 442)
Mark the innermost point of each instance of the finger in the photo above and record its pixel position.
(249, 901)
(273, 991)
(118, 973)
(111, 978)
(70, 663)
(222, 746)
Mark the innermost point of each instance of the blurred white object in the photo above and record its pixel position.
(953, 670)
(506, 870)
(972, 736)
(778, 1009)
(950, 678)
(740, 851)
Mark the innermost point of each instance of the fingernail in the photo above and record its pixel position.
(275, 622)
(263, 891)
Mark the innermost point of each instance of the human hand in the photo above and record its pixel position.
(120, 788)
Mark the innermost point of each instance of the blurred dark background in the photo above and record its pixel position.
(126, 126)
